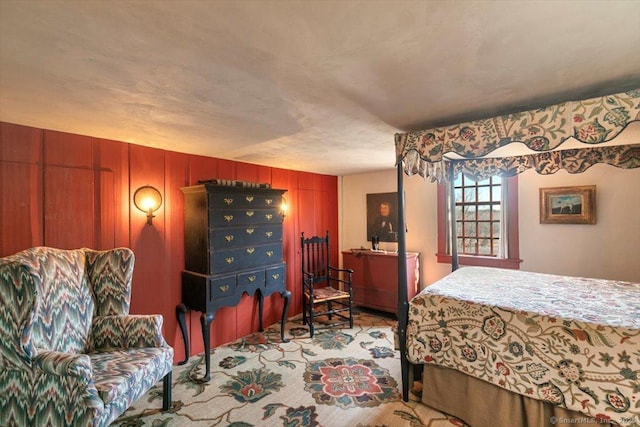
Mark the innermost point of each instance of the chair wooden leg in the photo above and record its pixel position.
(166, 392)
(304, 309)
(350, 314)
(311, 318)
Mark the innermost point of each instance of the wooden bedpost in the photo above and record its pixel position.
(452, 217)
(403, 303)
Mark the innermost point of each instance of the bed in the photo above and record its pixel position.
(507, 347)
(548, 337)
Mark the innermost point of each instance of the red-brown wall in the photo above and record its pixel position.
(69, 191)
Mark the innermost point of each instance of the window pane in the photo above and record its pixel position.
(484, 247)
(470, 229)
(496, 212)
(469, 213)
(483, 194)
(470, 194)
(484, 213)
(485, 182)
(484, 229)
(496, 228)
(496, 247)
(470, 246)
(496, 193)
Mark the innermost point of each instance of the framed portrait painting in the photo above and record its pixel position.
(568, 205)
(382, 218)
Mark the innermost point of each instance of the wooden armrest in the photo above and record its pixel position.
(346, 270)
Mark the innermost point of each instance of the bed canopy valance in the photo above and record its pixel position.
(495, 146)
(573, 136)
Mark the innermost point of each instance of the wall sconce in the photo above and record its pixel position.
(284, 208)
(148, 200)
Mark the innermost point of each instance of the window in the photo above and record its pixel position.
(486, 215)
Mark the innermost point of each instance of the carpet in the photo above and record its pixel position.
(341, 377)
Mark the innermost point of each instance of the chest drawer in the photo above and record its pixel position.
(247, 257)
(234, 237)
(199, 291)
(222, 287)
(244, 200)
(251, 279)
(237, 217)
(275, 278)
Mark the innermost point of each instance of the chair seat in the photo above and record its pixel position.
(328, 293)
(129, 372)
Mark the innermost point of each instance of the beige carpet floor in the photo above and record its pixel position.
(341, 377)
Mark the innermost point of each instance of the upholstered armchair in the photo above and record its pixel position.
(70, 354)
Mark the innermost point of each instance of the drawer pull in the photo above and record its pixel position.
(229, 260)
(228, 218)
(224, 288)
(228, 238)
(275, 276)
(228, 201)
(269, 254)
(251, 250)
(269, 201)
(269, 233)
(249, 199)
(252, 278)
(250, 213)
(268, 216)
(249, 231)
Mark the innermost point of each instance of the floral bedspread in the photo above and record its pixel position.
(571, 341)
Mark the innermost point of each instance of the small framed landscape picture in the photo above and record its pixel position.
(568, 205)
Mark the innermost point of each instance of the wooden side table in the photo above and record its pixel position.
(375, 278)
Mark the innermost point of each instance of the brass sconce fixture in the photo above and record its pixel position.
(148, 199)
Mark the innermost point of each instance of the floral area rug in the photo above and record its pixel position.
(341, 377)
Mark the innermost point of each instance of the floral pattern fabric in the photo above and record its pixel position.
(570, 341)
(591, 121)
(573, 161)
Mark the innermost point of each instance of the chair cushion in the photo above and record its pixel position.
(110, 273)
(328, 293)
(65, 306)
(129, 372)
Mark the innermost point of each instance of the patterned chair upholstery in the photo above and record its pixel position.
(70, 354)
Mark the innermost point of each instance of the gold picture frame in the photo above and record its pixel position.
(568, 205)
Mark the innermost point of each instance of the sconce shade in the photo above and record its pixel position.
(284, 207)
(147, 199)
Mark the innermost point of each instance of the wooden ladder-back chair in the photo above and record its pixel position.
(325, 288)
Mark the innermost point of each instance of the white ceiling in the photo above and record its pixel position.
(318, 86)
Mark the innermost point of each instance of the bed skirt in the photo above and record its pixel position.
(482, 404)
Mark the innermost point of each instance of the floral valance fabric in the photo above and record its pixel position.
(573, 161)
(591, 121)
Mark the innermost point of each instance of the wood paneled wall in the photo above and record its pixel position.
(69, 191)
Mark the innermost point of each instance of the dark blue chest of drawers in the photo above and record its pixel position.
(233, 245)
